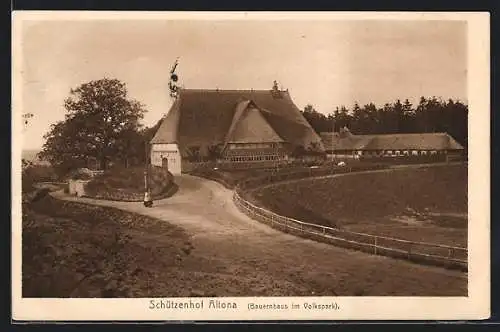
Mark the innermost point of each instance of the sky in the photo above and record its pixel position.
(325, 63)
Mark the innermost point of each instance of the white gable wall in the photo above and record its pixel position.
(168, 151)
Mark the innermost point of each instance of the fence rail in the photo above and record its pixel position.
(422, 252)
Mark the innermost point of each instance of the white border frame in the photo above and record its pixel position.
(475, 306)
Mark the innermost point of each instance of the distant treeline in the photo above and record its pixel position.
(430, 115)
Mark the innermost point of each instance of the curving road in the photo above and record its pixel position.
(252, 259)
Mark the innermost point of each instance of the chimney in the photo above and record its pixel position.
(344, 132)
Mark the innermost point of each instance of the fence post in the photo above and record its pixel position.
(450, 253)
(324, 229)
(375, 245)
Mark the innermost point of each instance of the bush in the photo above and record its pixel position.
(127, 184)
(33, 173)
(81, 176)
(251, 178)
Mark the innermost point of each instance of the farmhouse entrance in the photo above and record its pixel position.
(167, 156)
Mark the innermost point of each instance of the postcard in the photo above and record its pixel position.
(201, 166)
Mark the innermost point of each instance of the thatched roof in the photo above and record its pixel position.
(420, 141)
(210, 117)
(250, 126)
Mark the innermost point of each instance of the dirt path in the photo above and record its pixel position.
(236, 256)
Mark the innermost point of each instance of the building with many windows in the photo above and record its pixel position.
(344, 144)
(247, 127)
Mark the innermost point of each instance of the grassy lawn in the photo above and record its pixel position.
(427, 204)
(231, 177)
(128, 181)
(78, 250)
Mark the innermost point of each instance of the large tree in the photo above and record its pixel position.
(318, 121)
(101, 122)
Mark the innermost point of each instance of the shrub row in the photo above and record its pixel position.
(287, 175)
(108, 187)
(134, 197)
(241, 180)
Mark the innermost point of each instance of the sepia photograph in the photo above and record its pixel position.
(250, 165)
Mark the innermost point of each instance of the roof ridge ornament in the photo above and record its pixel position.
(275, 91)
(172, 84)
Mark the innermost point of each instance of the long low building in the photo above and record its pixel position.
(231, 126)
(344, 144)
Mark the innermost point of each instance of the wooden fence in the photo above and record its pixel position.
(421, 252)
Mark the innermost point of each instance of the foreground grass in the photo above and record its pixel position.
(426, 204)
(78, 250)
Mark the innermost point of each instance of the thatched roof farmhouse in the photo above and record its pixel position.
(242, 126)
(344, 143)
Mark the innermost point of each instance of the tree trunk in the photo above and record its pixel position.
(103, 163)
